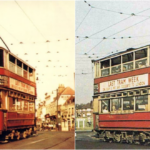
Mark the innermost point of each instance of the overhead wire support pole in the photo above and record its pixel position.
(5, 44)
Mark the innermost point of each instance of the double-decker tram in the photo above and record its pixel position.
(17, 97)
(121, 100)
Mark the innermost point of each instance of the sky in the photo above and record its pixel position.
(42, 34)
(103, 28)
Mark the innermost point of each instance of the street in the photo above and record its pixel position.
(44, 140)
(85, 140)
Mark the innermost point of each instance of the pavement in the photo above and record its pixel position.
(44, 140)
(88, 140)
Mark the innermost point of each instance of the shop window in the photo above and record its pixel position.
(128, 103)
(115, 104)
(105, 64)
(1, 58)
(105, 106)
(140, 54)
(142, 103)
(127, 57)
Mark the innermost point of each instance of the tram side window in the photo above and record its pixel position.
(1, 58)
(25, 106)
(142, 103)
(12, 103)
(31, 107)
(116, 62)
(19, 104)
(105, 68)
(105, 106)
(140, 54)
(128, 103)
(115, 104)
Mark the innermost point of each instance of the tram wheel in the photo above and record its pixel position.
(24, 135)
(18, 136)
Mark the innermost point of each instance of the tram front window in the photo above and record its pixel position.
(128, 103)
(105, 106)
(142, 103)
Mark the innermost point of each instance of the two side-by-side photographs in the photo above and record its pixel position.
(74, 74)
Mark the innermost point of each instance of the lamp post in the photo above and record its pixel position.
(57, 106)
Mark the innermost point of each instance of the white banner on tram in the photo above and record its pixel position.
(20, 86)
(124, 83)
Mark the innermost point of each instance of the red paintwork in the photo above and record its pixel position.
(15, 119)
(8, 73)
(1, 120)
(123, 75)
(135, 120)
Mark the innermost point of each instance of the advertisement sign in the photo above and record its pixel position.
(3, 80)
(124, 83)
(20, 86)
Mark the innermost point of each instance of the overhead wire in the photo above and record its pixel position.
(119, 32)
(83, 19)
(29, 19)
(110, 27)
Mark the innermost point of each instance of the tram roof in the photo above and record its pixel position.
(17, 57)
(118, 53)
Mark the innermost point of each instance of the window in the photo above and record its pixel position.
(115, 104)
(11, 58)
(105, 106)
(25, 107)
(116, 61)
(113, 95)
(141, 63)
(127, 57)
(105, 64)
(128, 103)
(141, 54)
(105, 72)
(1, 59)
(95, 88)
(142, 103)
(128, 66)
(116, 69)
(102, 96)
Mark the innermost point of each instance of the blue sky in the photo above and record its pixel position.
(103, 28)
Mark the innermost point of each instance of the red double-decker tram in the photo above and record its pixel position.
(121, 100)
(17, 97)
